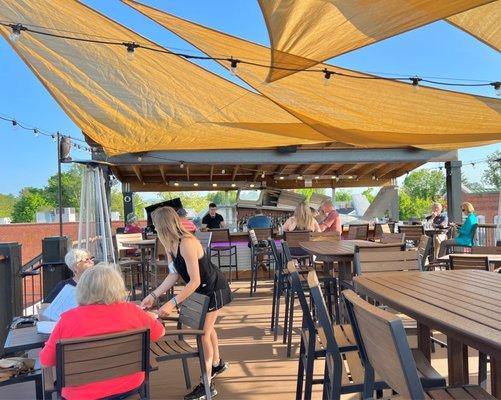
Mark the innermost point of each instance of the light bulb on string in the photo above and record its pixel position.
(15, 125)
(16, 32)
(415, 83)
(181, 165)
(223, 171)
(263, 175)
(35, 132)
(497, 88)
(233, 66)
(131, 50)
(327, 76)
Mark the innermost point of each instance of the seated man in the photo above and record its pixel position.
(332, 221)
(439, 220)
(259, 220)
(77, 261)
(212, 219)
(187, 223)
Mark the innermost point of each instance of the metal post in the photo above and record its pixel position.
(59, 184)
(453, 185)
(128, 197)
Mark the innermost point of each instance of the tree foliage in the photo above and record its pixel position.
(369, 195)
(71, 182)
(308, 192)
(30, 201)
(342, 195)
(413, 207)
(425, 184)
(7, 202)
(492, 173)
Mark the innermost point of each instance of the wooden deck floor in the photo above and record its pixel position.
(259, 368)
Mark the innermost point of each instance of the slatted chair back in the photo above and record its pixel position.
(193, 310)
(325, 332)
(468, 262)
(95, 358)
(286, 252)
(385, 345)
(424, 250)
(333, 236)
(486, 250)
(308, 322)
(412, 232)
(123, 238)
(388, 238)
(358, 231)
(293, 238)
(367, 262)
(379, 229)
(220, 235)
(277, 256)
(205, 239)
(263, 233)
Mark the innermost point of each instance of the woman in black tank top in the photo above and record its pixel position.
(187, 259)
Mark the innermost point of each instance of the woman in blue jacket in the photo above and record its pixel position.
(466, 232)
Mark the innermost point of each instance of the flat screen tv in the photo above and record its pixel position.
(174, 203)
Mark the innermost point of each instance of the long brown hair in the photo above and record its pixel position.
(169, 227)
(304, 217)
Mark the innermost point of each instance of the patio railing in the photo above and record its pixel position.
(32, 276)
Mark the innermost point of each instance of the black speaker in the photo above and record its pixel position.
(54, 269)
(11, 297)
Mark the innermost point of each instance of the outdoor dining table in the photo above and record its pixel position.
(144, 245)
(23, 339)
(465, 305)
(341, 251)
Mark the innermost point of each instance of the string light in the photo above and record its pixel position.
(132, 46)
(214, 185)
(223, 171)
(181, 165)
(252, 185)
(415, 82)
(14, 124)
(195, 184)
(35, 132)
(131, 50)
(139, 158)
(263, 175)
(317, 177)
(233, 185)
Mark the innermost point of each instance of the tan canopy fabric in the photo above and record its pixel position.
(305, 32)
(155, 102)
(482, 22)
(361, 112)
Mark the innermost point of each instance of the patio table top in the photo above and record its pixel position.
(22, 339)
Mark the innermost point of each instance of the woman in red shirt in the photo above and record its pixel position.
(102, 309)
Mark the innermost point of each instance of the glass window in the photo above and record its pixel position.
(249, 195)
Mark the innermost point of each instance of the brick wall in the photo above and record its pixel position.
(485, 204)
(30, 235)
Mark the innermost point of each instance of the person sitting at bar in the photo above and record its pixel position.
(259, 220)
(187, 223)
(132, 224)
(439, 220)
(332, 221)
(465, 233)
(213, 220)
(302, 220)
(77, 261)
(101, 310)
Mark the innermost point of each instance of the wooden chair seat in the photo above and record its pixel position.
(459, 393)
(168, 349)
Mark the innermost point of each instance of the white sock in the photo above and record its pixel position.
(216, 364)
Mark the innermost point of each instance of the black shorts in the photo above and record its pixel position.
(219, 298)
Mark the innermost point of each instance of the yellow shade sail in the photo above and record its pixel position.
(305, 32)
(482, 22)
(360, 111)
(157, 101)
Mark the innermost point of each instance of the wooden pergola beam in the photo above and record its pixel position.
(139, 174)
(162, 173)
(324, 169)
(211, 173)
(235, 172)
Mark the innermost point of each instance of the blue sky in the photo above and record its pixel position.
(437, 50)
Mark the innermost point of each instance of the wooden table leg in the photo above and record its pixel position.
(457, 363)
(423, 340)
(496, 377)
(344, 273)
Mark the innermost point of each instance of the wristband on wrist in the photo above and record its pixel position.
(174, 300)
(153, 294)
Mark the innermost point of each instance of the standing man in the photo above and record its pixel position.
(259, 220)
(212, 219)
(332, 221)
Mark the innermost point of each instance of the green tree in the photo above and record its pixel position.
(369, 195)
(425, 184)
(71, 181)
(194, 200)
(219, 197)
(412, 207)
(30, 201)
(492, 173)
(342, 195)
(308, 192)
(7, 202)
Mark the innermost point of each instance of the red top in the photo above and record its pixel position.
(188, 225)
(133, 229)
(332, 222)
(100, 319)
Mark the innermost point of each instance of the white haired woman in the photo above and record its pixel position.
(101, 310)
(77, 261)
(187, 259)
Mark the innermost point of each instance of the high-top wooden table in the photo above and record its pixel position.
(145, 245)
(341, 251)
(465, 305)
